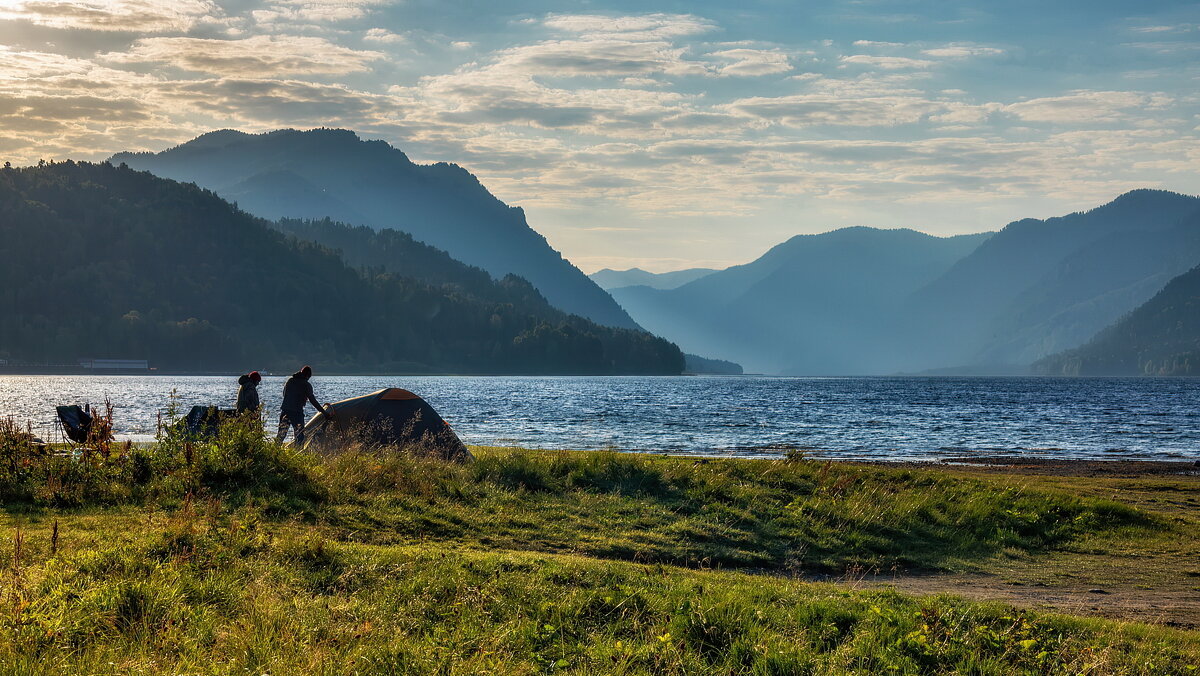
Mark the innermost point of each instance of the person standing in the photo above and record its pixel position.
(297, 392)
(247, 397)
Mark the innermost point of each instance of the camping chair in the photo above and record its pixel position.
(204, 421)
(76, 422)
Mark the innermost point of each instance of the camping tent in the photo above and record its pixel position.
(391, 417)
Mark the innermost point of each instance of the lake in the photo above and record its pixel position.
(878, 418)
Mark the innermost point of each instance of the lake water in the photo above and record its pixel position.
(881, 418)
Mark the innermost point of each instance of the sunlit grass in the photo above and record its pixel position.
(234, 555)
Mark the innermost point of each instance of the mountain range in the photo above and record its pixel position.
(850, 301)
(613, 279)
(333, 173)
(868, 301)
(811, 305)
(1041, 286)
(104, 261)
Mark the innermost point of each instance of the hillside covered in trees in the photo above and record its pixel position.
(278, 175)
(103, 261)
(1162, 337)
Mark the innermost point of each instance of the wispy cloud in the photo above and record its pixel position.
(886, 62)
(1087, 106)
(113, 15)
(316, 11)
(752, 62)
(260, 55)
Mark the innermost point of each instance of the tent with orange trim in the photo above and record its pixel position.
(391, 417)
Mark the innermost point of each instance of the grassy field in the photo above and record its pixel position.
(235, 555)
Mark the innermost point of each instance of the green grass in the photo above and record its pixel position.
(794, 515)
(234, 555)
(216, 592)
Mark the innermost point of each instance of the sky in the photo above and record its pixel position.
(662, 135)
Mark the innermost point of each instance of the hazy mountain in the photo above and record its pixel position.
(1041, 286)
(815, 304)
(701, 366)
(613, 279)
(107, 262)
(332, 173)
(1161, 337)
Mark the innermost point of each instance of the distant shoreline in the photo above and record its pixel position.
(76, 371)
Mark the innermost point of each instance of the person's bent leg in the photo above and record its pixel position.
(283, 428)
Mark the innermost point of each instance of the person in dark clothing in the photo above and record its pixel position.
(247, 398)
(297, 392)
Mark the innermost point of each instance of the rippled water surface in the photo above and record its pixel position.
(900, 418)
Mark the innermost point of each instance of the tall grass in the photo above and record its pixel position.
(798, 515)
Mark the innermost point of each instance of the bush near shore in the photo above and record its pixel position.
(236, 555)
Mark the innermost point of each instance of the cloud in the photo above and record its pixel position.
(597, 57)
(383, 36)
(806, 110)
(886, 62)
(281, 102)
(1086, 106)
(315, 11)
(258, 56)
(140, 16)
(752, 62)
(644, 27)
(1166, 48)
(961, 51)
(1176, 28)
(503, 93)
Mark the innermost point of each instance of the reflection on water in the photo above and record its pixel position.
(900, 418)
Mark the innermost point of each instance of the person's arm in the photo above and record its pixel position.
(312, 398)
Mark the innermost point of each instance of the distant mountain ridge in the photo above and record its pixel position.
(609, 279)
(810, 305)
(332, 173)
(1160, 337)
(865, 301)
(1041, 286)
(108, 262)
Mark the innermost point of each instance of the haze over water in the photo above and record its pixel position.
(876, 418)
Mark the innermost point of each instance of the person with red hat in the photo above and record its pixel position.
(247, 399)
(297, 392)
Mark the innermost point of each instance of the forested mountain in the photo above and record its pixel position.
(103, 261)
(614, 279)
(816, 304)
(1038, 287)
(332, 173)
(1162, 337)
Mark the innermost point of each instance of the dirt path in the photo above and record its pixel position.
(1147, 579)
(1173, 607)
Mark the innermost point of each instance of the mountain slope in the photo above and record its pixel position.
(102, 261)
(813, 305)
(1038, 287)
(1161, 337)
(614, 279)
(332, 173)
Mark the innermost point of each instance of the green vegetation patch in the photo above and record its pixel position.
(211, 591)
(793, 515)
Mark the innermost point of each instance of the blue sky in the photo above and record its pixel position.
(654, 134)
